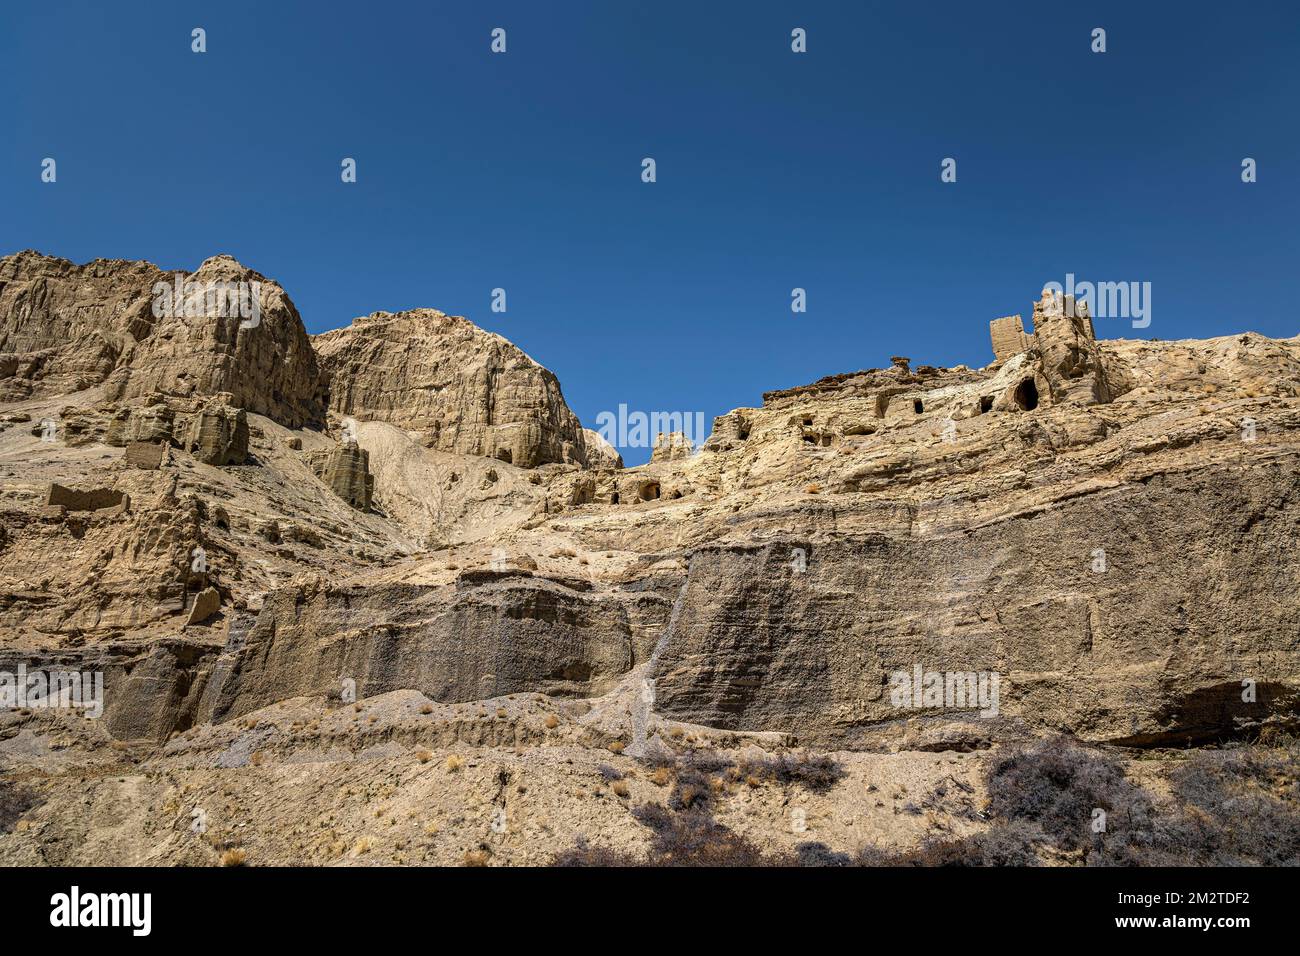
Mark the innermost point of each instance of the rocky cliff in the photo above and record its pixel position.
(138, 331)
(341, 549)
(463, 390)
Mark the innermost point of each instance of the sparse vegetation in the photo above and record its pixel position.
(1231, 807)
(234, 857)
(818, 773)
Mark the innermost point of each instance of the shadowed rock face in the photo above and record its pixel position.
(467, 391)
(502, 636)
(759, 645)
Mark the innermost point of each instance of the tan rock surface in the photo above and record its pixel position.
(465, 390)
(1107, 525)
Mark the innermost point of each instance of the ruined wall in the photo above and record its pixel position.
(1009, 337)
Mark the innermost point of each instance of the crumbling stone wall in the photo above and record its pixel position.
(91, 500)
(1009, 337)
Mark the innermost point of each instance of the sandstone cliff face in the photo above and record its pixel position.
(346, 469)
(524, 635)
(1107, 526)
(467, 391)
(1097, 613)
(64, 328)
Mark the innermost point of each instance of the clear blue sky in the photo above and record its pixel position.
(775, 170)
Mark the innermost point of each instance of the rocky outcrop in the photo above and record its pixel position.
(139, 331)
(528, 635)
(206, 603)
(346, 469)
(1105, 528)
(467, 391)
(1094, 613)
(671, 446)
(1072, 364)
(218, 435)
(600, 453)
(148, 423)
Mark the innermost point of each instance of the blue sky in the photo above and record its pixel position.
(775, 170)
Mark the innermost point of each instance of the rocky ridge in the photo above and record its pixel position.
(406, 510)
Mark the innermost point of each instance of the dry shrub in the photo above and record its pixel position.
(818, 773)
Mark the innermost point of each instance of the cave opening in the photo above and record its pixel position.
(1026, 395)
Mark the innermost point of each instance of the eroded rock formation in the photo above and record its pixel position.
(465, 390)
(404, 515)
